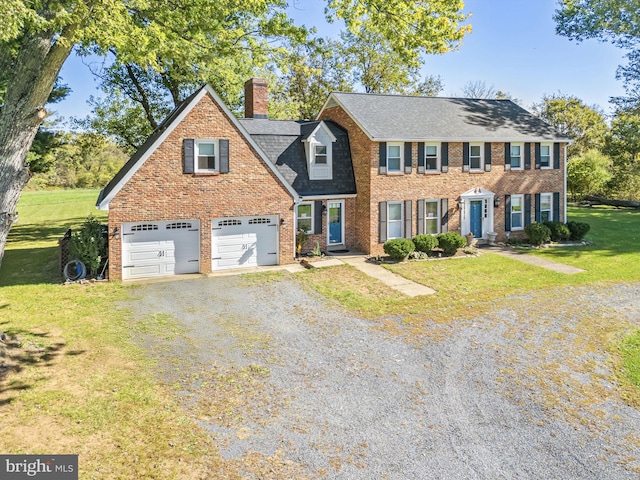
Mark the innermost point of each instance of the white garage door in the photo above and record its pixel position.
(244, 242)
(154, 249)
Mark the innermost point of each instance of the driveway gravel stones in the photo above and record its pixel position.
(290, 385)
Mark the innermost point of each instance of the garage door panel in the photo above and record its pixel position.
(244, 242)
(160, 248)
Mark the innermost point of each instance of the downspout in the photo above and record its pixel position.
(296, 202)
(566, 145)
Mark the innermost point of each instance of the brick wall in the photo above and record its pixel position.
(160, 191)
(373, 187)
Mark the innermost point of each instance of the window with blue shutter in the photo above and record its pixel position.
(487, 156)
(382, 157)
(444, 152)
(527, 156)
(408, 154)
(188, 155)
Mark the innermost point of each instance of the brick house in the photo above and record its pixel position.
(208, 191)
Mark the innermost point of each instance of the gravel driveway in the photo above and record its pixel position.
(292, 386)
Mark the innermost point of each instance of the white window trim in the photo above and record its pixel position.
(216, 150)
(481, 167)
(312, 217)
(438, 157)
(437, 217)
(400, 146)
(315, 153)
(521, 145)
(521, 197)
(389, 204)
(550, 166)
(550, 210)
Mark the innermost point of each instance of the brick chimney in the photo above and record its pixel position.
(256, 94)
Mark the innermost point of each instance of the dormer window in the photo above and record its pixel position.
(319, 149)
(321, 155)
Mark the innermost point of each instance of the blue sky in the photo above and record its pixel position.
(513, 47)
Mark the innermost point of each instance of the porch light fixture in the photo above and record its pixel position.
(496, 202)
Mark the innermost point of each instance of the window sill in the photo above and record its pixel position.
(475, 171)
(394, 173)
(432, 172)
(206, 174)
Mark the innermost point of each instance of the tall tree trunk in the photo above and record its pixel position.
(37, 65)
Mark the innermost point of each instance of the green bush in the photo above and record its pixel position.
(399, 248)
(578, 230)
(538, 233)
(450, 242)
(88, 244)
(559, 231)
(425, 243)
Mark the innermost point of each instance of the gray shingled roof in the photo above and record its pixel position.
(404, 118)
(282, 142)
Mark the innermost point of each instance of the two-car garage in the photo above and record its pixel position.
(154, 249)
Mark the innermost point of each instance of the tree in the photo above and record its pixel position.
(479, 89)
(614, 21)
(569, 115)
(588, 174)
(36, 38)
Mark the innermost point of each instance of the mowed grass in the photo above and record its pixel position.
(72, 381)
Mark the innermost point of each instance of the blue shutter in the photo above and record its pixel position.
(556, 156)
(382, 224)
(538, 159)
(421, 207)
(408, 218)
(421, 157)
(317, 213)
(507, 213)
(465, 157)
(224, 156)
(527, 156)
(444, 151)
(188, 155)
(408, 150)
(538, 215)
(556, 206)
(383, 157)
(507, 156)
(487, 156)
(527, 209)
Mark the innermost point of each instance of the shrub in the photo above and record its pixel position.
(399, 248)
(450, 242)
(88, 244)
(578, 230)
(559, 231)
(538, 233)
(425, 243)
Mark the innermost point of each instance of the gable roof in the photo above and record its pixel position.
(282, 141)
(406, 118)
(163, 131)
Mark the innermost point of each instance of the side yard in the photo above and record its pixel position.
(76, 377)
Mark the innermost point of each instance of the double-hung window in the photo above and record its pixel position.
(546, 207)
(207, 156)
(432, 216)
(321, 154)
(304, 217)
(517, 212)
(431, 157)
(475, 156)
(516, 154)
(395, 219)
(546, 155)
(394, 157)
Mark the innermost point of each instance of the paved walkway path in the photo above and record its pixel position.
(534, 260)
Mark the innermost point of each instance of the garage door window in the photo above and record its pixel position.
(258, 221)
(178, 225)
(229, 223)
(144, 227)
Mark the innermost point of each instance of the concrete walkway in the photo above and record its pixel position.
(533, 260)
(359, 262)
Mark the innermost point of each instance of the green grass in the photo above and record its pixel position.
(630, 363)
(73, 381)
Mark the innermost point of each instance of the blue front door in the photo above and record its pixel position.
(335, 222)
(476, 218)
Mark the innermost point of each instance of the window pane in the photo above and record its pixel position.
(516, 220)
(475, 150)
(515, 156)
(304, 224)
(395, 211)
(431, 226)
(206, 149)
(206, 163)
(545, 202)
(431, 150)
(431, 163)
(304, 211)
(544, 150)
(431, 209)
(393, 164)
(393, 151)
(475, 162)
(395, 230)
(545, 217)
